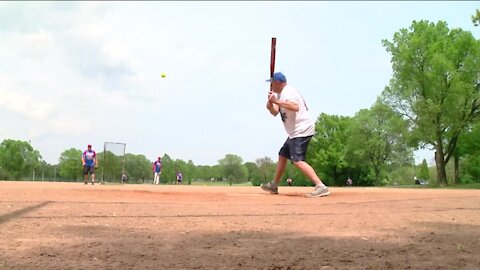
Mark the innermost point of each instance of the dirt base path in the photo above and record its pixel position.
(76, 226)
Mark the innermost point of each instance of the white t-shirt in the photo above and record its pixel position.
(297, 124)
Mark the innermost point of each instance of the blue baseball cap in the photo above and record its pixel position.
(278, 76)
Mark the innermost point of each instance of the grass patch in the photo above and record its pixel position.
(434, 185)
(465, 186)
(215, 183)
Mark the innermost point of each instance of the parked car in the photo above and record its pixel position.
(421, 182)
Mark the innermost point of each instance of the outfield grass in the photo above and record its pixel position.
(434, 185)
(215, 183)
(466, 186)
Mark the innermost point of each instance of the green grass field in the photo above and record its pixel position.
(433, 185)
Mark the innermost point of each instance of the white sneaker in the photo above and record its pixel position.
(320, 191)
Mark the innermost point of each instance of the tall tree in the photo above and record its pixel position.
(16, 157)
(424, 172)
(46, 171)
(233, 168)
(111, 166)
(70, 164)
(205, 172)
(378, 137)
(168, 170)
(266, 168)
(253, 173)
(327, 150)
(137, 167)
(190, 171)
(435, 85)
(469, 149)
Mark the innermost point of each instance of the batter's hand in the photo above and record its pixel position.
(272, 97)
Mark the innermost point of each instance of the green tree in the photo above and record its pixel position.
(70, 164)
(435, 85)
(181, 166)
(204, 172)
(137, 167)
(327, 149)
(232, 167)
(472, 169)
(469, 149)
(3, 174)
(190, 172)
(476, 18)
(424, 172)
(46, 171)
(266, 168)
(110, 166)
(253, 173)
(18, 157)
(168, 170)
(378, 136)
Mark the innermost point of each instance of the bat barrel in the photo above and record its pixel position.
(272, 56)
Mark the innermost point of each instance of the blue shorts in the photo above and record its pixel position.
(87, 169)
(295, 149)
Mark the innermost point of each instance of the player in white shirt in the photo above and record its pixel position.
(285, 100)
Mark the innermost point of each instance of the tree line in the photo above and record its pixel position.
(432, 101)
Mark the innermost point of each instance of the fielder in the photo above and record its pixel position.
(157, 170)
(89, 162)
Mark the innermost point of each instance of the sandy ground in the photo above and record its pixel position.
(73, 226)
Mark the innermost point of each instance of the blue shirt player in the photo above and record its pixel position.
(179, 177)
(89, 162)
(157, 170)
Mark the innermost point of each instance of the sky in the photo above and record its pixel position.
(78, 73)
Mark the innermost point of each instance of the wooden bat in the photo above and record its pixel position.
(272, 57)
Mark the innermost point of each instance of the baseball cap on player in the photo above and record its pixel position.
(89, 145)
(278, 76)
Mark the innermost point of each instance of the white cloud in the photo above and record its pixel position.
(25, 105)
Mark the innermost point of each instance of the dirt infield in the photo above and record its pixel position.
(73, 226)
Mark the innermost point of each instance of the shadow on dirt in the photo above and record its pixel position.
(21, 212)
(437, 246)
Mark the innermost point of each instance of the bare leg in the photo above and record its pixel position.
(281, 165)
(309, 172)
